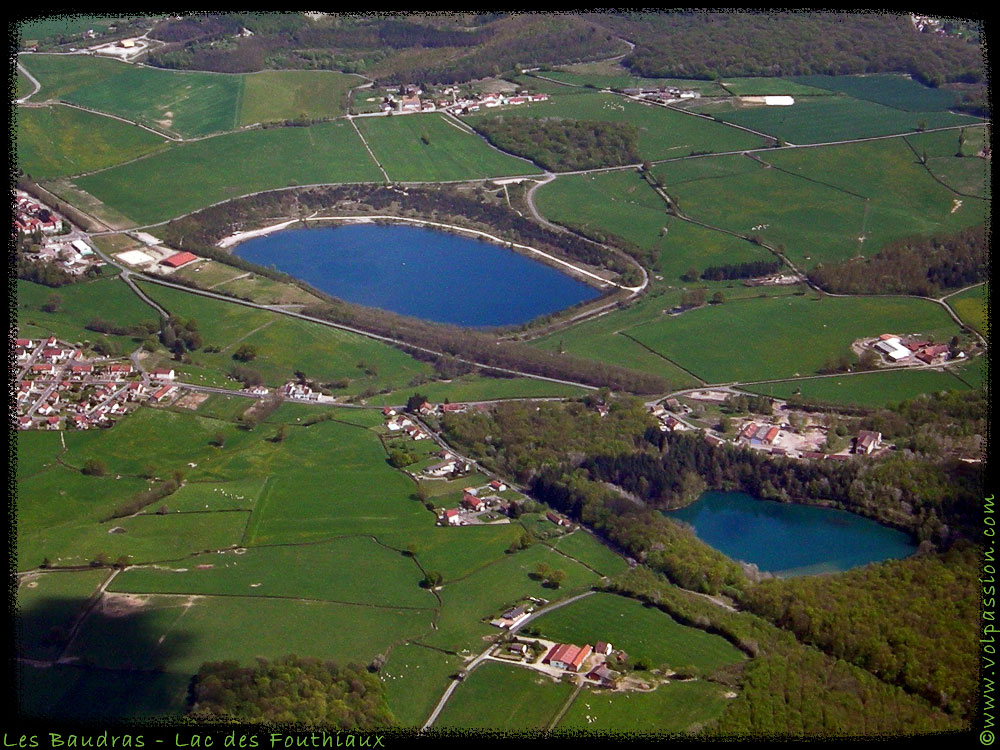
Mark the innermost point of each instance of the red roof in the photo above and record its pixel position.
(179, 259)
(569, 654)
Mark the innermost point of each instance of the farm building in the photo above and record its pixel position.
(891, 348)
(567, 656)
(179, 259)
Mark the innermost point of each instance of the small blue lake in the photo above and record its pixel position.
(445, 278)
(791, 540)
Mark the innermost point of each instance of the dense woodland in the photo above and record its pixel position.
(420, 48)
(790, 688)
(706, 45)
(559, 144)
(290, 690)
(925, 266)
(897, 619)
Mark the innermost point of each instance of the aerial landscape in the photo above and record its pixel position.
(594, 374)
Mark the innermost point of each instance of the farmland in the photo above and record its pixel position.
(185, 104)
(971, 307)
(193, 175)
(286, 344)
(58, 141)
(869, 389)
(275, 95)
(823, 119)
(663, 133)
(897, 91)
(428, 147)
(793, 335)
(645, 633)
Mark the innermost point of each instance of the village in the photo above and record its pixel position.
(59, 387)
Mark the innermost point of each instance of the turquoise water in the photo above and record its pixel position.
(445, 278)
(791, 540)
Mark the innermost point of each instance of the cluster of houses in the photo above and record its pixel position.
(760, 435)
(590, 660)
(58, 388)
(662, 95)
(668, 422)
(33, 219)
(896, 350)
(396, 422)
(451, 99)
(476, 500)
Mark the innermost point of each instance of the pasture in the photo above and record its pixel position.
(753, 86)
(49, 602)
(274, 95)
(970, 306)
(190, 176)
(583, 547)
(502, 697)
(663, 133)
(285, 344)
(623, 204)
(80, 303)
(178, 633)
(822, 119)
(897, 91)
(348, 570)
(478, 388)
(414, 678)
(643, 632)
(865, 389)
(58, 141)
(789, 336)
(182, 103)
(967, 174)
(673, 708)
(428, 147)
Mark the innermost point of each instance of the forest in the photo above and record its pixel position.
(925, 266)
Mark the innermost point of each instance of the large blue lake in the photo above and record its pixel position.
(790, 540)
(446, 278)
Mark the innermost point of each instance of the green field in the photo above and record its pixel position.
(663, 133)
(898, 91)
(80, 303)
(415, 678)
(38, 29)
(823, 119)
(789, 336)
(285, 344)
(967, 174)
(623, 204)
(770, 87)
(193, 175)
(49, 603)
(58, 141)
(820, 202)
(501, 697)
(673, 708)
(583, 547)
(178, 633)
(478, 388)
(184, 103)
(868, 389)
(643, 632)
(348, 570)
(273, 95)
(429, 148)
(622, 81)
(970, 306)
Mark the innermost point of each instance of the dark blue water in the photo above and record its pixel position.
(428, 274)
(790, 540)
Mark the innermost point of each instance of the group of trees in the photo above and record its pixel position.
(290, 690)
(919, 265)
(178, 335)
(749, 270)
(561, 144)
